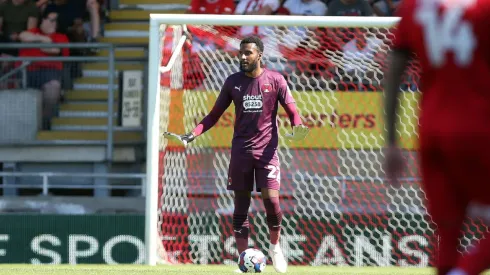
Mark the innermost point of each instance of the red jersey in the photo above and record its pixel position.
(451, 40)
(212, 6)
(36, 52)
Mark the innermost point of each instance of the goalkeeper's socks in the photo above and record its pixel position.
(241, 224)
(274, 218)
(241, 230)
(241, 244)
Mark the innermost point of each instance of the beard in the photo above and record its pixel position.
(248, 68)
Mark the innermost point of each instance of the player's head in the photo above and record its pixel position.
(251, 49)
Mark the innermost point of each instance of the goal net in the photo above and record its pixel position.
(337, 209)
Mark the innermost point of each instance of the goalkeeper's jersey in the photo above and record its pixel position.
(256, 104)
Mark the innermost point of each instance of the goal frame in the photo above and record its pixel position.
(154, 69)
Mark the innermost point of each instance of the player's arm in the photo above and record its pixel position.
(220, 106)
(394, 162)
(288, 103)
(292, 113)
(222, 103)
(397, 63)
(210, 120)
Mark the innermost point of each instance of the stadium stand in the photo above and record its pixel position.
(75, 141)
(127, 25)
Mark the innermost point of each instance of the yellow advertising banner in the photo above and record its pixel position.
(337, 120)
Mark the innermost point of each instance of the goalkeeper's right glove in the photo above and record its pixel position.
(184, 139)
(299, 133)
(188, 138)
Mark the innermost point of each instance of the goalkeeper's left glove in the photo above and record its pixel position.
(299, 133)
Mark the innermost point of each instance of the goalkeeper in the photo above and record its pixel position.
(255, 92)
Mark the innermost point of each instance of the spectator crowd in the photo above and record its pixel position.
(50, 22)
(346, 56)
(296, 7)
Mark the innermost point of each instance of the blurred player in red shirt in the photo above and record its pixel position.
(451, 41)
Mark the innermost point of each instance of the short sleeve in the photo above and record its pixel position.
(401, 40)
(284, 94)
(274, 4)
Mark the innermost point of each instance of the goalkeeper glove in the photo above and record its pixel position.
(299, 133)
(187, 138)
(184, 139)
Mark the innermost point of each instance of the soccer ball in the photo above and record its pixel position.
(252, 261)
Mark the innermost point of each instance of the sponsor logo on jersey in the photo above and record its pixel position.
(252, 103)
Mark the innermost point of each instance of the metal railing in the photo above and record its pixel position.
(110, 59)
(111, 69)
(45, 176)
(21, 69)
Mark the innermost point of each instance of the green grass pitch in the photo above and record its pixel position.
(198, 269)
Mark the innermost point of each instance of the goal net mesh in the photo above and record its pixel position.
(337, 209)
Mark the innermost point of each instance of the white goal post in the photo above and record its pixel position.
(153, 115)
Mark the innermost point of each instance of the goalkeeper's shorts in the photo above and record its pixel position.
(245, 170)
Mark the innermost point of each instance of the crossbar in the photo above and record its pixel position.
(276, 20)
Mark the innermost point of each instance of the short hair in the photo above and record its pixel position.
(255, 40)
